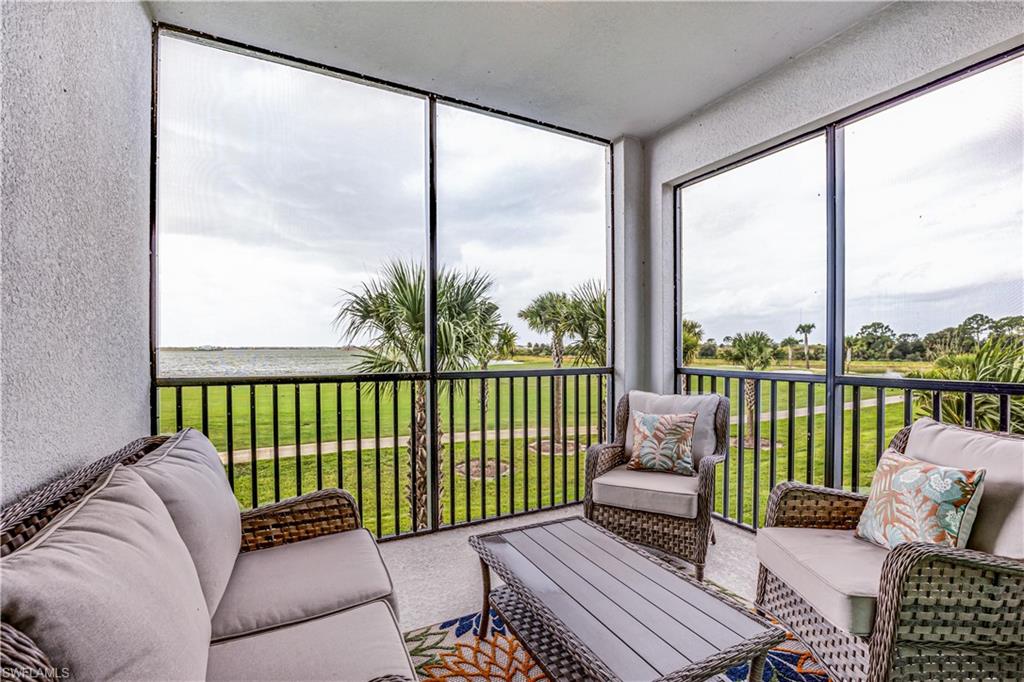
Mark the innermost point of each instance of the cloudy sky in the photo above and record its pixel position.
(934, 226)
(279, 188)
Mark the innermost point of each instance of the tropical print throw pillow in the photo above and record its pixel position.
(661, 442)
(914, 501)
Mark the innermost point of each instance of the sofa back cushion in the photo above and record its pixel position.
(703, 440)
(107, 589)
(187, 474)
(999, 525)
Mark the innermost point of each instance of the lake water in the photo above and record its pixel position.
(221, 362)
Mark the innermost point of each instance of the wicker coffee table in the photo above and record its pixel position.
(589, 605)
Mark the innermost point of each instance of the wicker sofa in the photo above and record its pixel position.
(666, 511)
(916, 612)
(139, 566)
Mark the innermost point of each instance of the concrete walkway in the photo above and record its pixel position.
(370, 444)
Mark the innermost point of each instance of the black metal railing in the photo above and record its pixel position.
(507, 442)
(779, 426)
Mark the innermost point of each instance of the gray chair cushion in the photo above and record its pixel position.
(302, 580)
(359, 644)
(651, 491)
(703, 442)
(999, 526)
(835, 572)
(187, 474)
(108, 590)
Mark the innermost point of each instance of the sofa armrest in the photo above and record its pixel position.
(601, 459)
(956, 601)
(706, 470)
(299, 518)
(799, 505)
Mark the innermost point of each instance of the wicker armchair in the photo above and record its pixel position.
(299, 518)
(941, 614)
(682, 536)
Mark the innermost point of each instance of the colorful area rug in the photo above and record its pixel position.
(452, 652)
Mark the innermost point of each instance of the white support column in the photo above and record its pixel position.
(630, 260)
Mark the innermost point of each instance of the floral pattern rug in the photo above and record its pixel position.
(452, 652)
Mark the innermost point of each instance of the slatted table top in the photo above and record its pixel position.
(631, 614)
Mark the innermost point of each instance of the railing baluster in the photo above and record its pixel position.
(540, 460)
(497, 447)
(359, 455)
(937, 405)
(395, 468)
(177, 409)
(275, 416)
(206, 411)
(576, 431)
(1004, 412)
(714, 384)
(526, 444)
(969, 409)
(230, 424)
(483, 449)
(700, 385)
(320, 439)
(565, 439)
(451, 451)
(602, 427)
(689, 383)
(812, 417)
(728, 450)
(414, 447)
(254, 493)
(590, 411)
(879, 424)
(741, 481)
(512, 445)
(469, 511)
(908, 407)
(339, 421)
(791, 432)
(756, 428)
(298, 441)
(773, 433)
(376, 455)
(551, 440)
(855, 454)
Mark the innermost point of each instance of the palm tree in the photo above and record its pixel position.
(389, 313)
(588, 323)
(693, 334)
(997, 359)
(753, 350)
(806, 330)
(549, 314)
(789, 343)
(505, 342)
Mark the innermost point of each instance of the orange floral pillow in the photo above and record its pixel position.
(915, 501)
(661, 442)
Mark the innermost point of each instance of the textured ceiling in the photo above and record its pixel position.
(604, 69)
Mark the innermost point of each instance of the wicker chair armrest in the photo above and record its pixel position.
(706, 470)
(951, 599)
(799, 505)
(299, 518)
(601, 458)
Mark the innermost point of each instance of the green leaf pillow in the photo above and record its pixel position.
(661, 442)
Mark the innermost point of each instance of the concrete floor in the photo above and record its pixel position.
(437, 576)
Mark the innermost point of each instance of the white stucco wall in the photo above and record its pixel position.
(74, 351)
(895, 50)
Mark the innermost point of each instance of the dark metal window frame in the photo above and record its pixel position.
(834, 379)
(431, 100)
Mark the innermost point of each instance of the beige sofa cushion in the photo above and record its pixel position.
(187, 474)
(108, 590)
(651, 491)
(359, 644)
(999, 525)
(835, 572)
(703, 441)
(302, 580)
